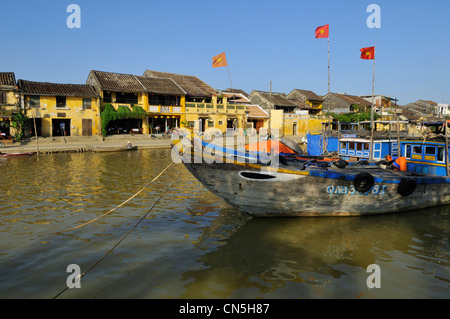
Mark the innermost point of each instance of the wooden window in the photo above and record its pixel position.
(60, 101)
(351, 146)
(3, 98)
(35, 101)
(107, 97)
(87, 103)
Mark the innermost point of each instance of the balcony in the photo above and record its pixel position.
(164, 109)
(215, 108)
(5, 108)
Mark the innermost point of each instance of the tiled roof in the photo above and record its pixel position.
(118, 82)
(310, 95)
(57, 89)
(278, 99)
(255, 111)
(7, 79)
(189, 83)
(352, 99)
(160, 85)
(229, 90)
(303, 105)
(236, 98)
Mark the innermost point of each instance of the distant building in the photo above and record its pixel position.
(345, 103)
(273, 101)
(443, 109)
(307, 100)
(421, 111)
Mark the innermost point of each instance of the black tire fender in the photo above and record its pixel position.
(406, 187)
(363, 182)
(340, 163)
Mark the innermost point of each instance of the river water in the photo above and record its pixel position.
(193, 245)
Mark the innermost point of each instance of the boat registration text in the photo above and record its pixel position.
(345, 190)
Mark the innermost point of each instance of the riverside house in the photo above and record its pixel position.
(61, 109)
(161, 100)
(9, 101)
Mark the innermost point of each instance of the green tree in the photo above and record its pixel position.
(21, 123)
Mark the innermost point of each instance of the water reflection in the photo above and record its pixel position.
(328, 257)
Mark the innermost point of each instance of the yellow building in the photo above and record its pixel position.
(61, 109)
(205, 107)
(9, 102)
(161, 99)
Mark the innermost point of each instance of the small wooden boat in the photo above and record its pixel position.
(16, 154)
(113, 149)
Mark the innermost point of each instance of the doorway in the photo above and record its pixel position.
(61, 127)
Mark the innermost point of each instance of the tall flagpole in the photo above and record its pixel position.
(373, 99)
(328, 72)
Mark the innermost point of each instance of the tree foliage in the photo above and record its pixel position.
(353, 117)
(109, 114)
(20, 122)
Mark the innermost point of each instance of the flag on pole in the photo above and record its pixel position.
(323, 31)
(219, 60)
(368, 53)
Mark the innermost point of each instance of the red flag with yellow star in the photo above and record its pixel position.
(219, 60)
(323, 31)
(368, 53)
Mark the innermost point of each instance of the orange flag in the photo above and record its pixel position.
(368, 53)
(219, 60)
(323, 31)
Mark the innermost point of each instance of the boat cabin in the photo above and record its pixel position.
(356, 148)
(427, 158)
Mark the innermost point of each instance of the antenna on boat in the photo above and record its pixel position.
(446, 147)
(399, 151)
(270, 111)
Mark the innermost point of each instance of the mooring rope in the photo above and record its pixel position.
(123, 238)
(118, 206)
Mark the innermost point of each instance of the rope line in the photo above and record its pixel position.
(118, 206)
(123, 238)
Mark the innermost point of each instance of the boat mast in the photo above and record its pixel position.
(446, 148)
(373, 99)
(270, 111)
(399, 152)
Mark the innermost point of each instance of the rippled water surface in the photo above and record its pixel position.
(191, 244)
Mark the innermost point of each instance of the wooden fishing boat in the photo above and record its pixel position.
(113, 149)
(274, 189)
(17, 154)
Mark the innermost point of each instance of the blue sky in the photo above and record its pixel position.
(263, 40)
